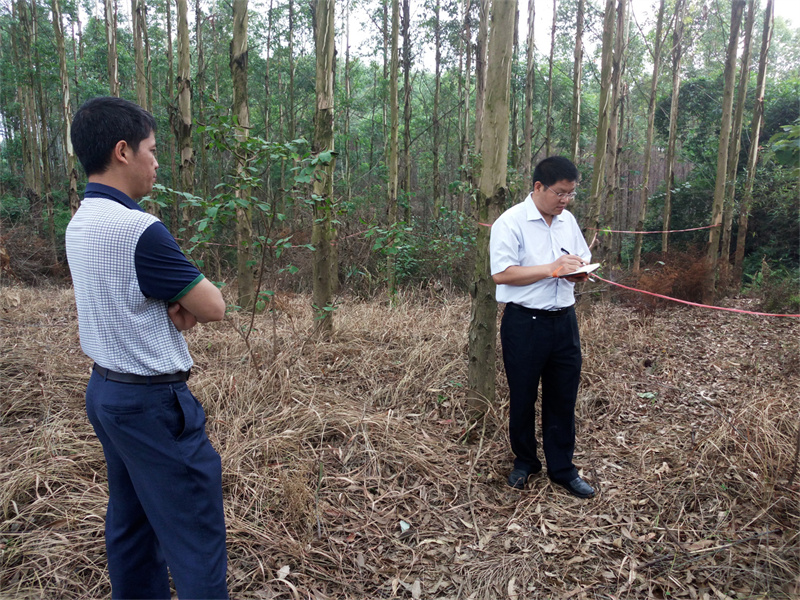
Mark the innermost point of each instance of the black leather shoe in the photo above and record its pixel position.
(519, 477)
(577, 487)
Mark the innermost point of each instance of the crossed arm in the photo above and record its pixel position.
(202, 304)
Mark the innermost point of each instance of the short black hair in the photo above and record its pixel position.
(554, 169)
(102, 122)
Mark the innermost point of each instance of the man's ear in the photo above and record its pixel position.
(121, 152)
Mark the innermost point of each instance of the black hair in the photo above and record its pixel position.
(554, 169)
(102, 122)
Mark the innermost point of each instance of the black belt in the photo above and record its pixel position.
(537, 312)
(141, 379)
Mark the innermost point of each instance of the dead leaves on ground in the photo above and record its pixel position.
(346, 475)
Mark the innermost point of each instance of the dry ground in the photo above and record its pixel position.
(688, 424)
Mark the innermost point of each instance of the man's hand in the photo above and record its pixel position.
(181, 318)
(578, 278)
(567, 264)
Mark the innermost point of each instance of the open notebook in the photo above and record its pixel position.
(584, 269)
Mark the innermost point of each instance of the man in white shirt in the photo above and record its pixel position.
(533, 245)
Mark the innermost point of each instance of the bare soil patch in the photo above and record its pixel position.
(348, 471)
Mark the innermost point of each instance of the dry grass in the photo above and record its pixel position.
(687, 422)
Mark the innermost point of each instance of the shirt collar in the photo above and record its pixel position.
(94, 190)
(532, 212)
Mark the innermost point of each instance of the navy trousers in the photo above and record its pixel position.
(542, 347)
(165, 491)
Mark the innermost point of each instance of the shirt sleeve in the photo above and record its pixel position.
(503, 247)
(162, 269)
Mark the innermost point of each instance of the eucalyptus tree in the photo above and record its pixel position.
(182, 122)
(648, 146)
(244, 218)
(323, 228)
(491, 196)
(138, 25)
(603, 120)
(437, 127)
(613, 203)
(677, 55)
(465, 76)
(530, 80)
(481, 66)
(735, 141)
(111, 46)
(737, 7)
(29, 132)
(44, 133)
(406, 181)
(66, 108)
(752, 155)
(548, 118)
(577, 75)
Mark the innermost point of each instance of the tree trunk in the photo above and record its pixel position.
(176, 205)
(77, 48)
(612, 144)
(183, 129)
(548, 136)
(709, 288)
(733, 153)
(465, 162)
(437, 36)
(513, 158)
(31, 165)
(677, 53)
(492, 192)
(111, 46)
(137, 19)
(755, 132)
(530, 80)
(291, 120)
(648, 144)
(201, 88)
(323, 230)
(147, 58)
(480, 76)
(577, 74)
(244, 218)
(394, 110)
(66, 109)
(603, 119)
(347, 98)
(406, 185)
(44, 136)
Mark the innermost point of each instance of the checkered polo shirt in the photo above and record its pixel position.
(126, 268)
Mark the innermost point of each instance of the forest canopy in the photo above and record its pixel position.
(175, 60)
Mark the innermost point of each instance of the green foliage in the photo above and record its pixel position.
(777, 288)
(784, 147)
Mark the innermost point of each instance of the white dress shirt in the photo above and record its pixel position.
(521, 237)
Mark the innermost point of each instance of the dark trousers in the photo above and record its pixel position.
(537, 346)
(165, 491)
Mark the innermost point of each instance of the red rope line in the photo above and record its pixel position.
(666, 231)
(736, 310)
(620, 231)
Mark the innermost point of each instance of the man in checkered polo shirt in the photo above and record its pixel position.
(136, 292)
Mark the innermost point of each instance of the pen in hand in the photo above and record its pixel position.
(583, 262)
